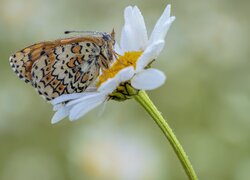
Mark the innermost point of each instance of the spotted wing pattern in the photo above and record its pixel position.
(59, 67)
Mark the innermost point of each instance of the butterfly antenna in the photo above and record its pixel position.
(68, 32)
(85, 32)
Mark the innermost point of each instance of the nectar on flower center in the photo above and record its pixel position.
(128, 59)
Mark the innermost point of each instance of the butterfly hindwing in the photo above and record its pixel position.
(59, 67)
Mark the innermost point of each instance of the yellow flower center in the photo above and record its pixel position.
(128, 59)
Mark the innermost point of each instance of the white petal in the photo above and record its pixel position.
(92, 87)
(84, 107)
(151, 53)
(126, 33)
(148, 79)
(111, 84)
(125, 74)
(134, 33)
(165, 15)
(161, 31)
(57, 107)
(163, 18)
(140, 28)
(126, 42)
(162, 26)
(85, 98)
(60, 114)
(66, 97)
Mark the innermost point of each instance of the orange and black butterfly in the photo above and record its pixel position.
(64, 66)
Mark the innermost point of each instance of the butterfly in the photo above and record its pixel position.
(64, 66)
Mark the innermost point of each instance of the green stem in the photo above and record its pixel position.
(148, 105)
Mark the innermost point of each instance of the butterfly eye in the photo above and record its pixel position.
(106, 37)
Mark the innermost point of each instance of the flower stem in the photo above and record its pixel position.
(148, 105)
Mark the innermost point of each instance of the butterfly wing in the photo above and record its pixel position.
(59, 67)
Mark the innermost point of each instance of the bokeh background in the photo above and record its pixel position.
(206, 98)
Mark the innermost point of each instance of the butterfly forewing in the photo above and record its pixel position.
(61, 67)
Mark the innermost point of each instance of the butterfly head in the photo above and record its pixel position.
(109, 37)
(108, 49)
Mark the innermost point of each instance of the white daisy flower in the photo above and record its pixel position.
(134, 39)
(136, 52)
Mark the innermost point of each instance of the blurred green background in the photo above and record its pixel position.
(206, 98)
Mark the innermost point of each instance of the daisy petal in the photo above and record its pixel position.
(149, 54)
(84, 107)
(125, 74)
(56, 107)
(127, 39)
(60, 114)
(140, 28)
(148, 79)
(165, 15)
(110, 85)
(164, 22)
(134, 32)
(91, 88)
(67, 97)
(87, 97)
(160, 32)
(125, 43)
